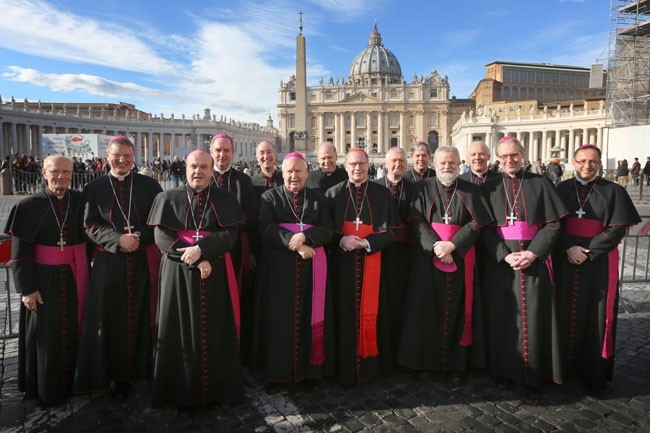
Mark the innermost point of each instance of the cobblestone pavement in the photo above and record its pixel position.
(403, 402)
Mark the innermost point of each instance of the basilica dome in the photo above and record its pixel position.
(375, 64)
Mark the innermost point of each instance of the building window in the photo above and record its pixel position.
(394, 121)
(361, 121)
(433, 93)
(328, 96)
(292, 121)
(374, 121)
(394, 94)
(433, 120)
(329, 121)
(347, 122)
(292, 96)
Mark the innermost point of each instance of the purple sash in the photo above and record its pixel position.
(588, 228)
(75, 256)
(188, 236)
(446, 232)
(319, 278)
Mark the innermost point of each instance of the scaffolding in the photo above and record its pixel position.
(628, 77)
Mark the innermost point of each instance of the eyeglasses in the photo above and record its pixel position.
(60, 172)
(121, 155)
(513, 156)
(587, 162)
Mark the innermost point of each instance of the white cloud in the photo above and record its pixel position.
(90, 84)
(37, 28)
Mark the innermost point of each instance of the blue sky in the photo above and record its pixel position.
(181, 57)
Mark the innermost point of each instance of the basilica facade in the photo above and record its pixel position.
(374, 107)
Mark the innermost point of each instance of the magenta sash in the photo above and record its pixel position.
(187, 237)
(446, 232)
(75, 256)
(319, 278)
(522, 231)
(588, 228)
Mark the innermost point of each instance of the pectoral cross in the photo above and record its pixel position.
(580, 213)
(197, 236)
(61, 241)
(357, 222)
(511, 218)
(446, 218)
(128, 227)
(302, 226)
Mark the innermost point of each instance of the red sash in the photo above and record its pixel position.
(319, 280)
(367, 345)
(588, 228)
(75, 256)
(187, 237)
(403, 233)
(446, 232)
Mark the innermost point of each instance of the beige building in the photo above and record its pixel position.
(374, 107)
(22, 125)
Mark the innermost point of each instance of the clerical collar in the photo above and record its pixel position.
(584, 182)
(270, 176)
(119, 177)
(357, 185)
(53, 194)
(221, 171)
(391, 182)
(512, 176)
(480, 174)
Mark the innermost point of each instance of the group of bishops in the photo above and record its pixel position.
(301, 275)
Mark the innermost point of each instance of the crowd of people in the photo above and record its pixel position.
(299, 275)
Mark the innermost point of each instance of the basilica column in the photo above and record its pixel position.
(321, 128)
(382, 146)
(149, 153)
(138, 148)
(546, 153)
(369, 132)
(402, 129)
(353, 129)
(14, 139)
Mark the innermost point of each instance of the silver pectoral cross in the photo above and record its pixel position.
(357, 222)
(511, 218)
(128, 227)
(446, 218)
(61, 241)
(197, 236)
(302, 226)
(580, 213)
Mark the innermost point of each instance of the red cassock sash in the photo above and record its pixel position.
(318, 289)
(367, 345)
(446, 232)
(588, 228)
(522, 231)
(187, 236)
(75, 256)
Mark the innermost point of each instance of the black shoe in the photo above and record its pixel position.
(121, 390)
(274, 388)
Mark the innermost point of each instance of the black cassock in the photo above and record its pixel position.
(240, 185)
(396, 258)
(522, 327)
(588, 293)
(262, 183)
(197, 353)
(319, 180)
(285, 330)
(442, 327)
(48, 338)
(116, 337)
(373, 207)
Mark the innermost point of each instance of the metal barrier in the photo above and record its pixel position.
(8, 330)
(635, 258)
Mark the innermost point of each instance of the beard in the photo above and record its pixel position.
(447, 178)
